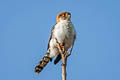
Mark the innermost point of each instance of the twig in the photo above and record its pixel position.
(64, 60)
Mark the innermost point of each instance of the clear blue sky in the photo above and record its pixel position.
(24, 33)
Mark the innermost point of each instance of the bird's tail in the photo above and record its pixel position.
(43, 63)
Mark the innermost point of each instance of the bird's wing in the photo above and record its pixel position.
(51, 34)
(58, 58)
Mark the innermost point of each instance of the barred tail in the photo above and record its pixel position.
(42, 63)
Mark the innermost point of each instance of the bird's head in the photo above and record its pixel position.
(63, 16)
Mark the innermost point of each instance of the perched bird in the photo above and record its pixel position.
(64, 33)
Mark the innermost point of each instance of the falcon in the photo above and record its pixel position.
(62, 32)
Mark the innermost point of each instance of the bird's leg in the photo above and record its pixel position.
(58, 46)
(65, 51)
(63, 48)
(70, 50)
(68, 54)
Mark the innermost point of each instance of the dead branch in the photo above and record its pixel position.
(64, 60)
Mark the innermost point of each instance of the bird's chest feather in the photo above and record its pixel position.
(63, 31)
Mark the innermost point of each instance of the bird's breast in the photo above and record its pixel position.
(64, 32)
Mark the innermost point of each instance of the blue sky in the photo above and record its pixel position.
(24, 33)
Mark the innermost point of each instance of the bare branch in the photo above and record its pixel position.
(64, 60)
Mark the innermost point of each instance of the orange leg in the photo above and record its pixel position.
(63, 48)
(65, 51)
